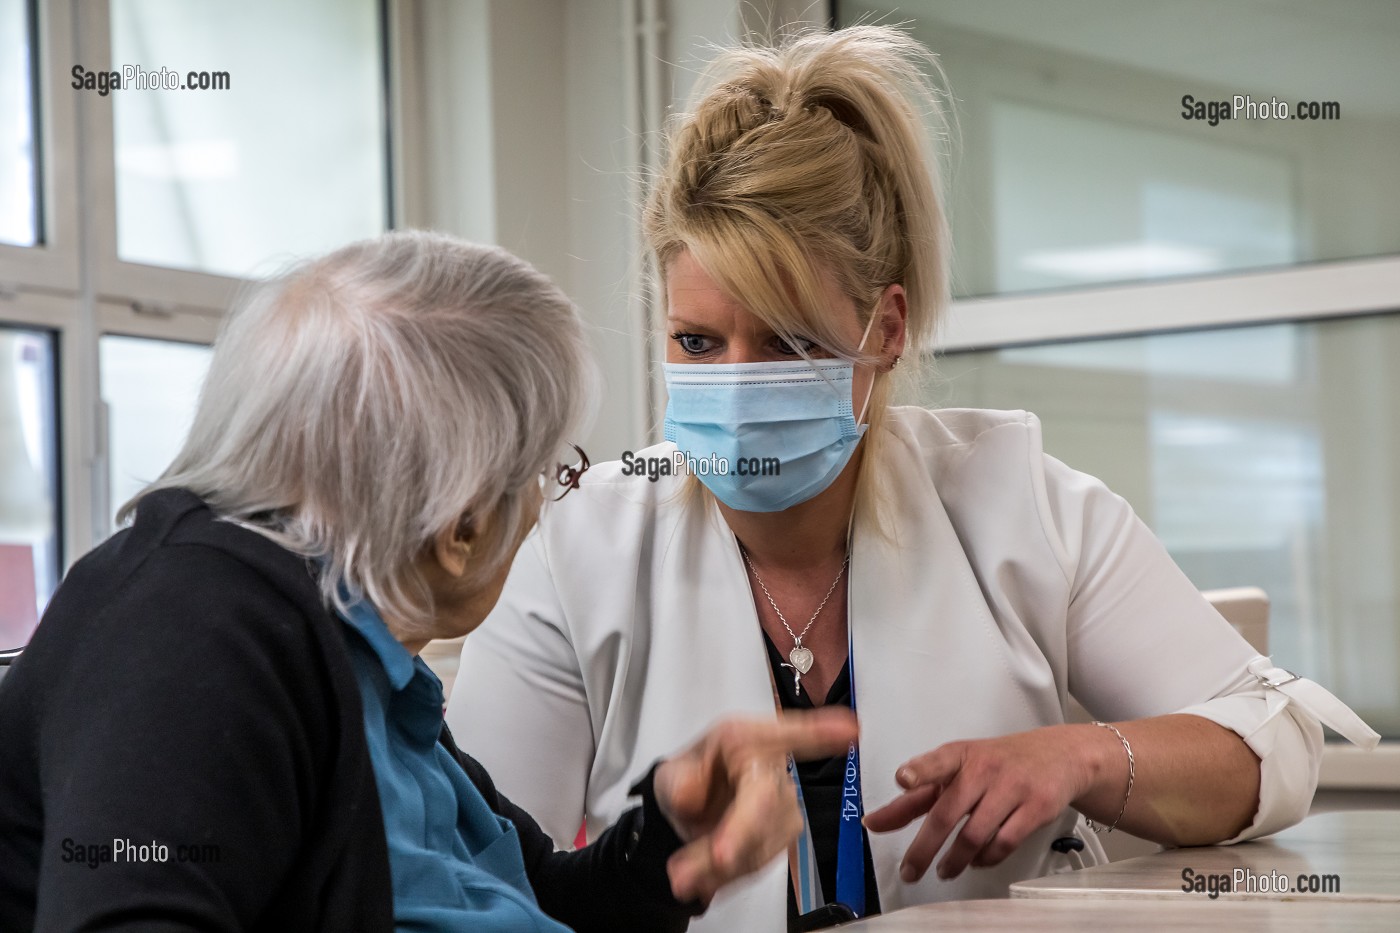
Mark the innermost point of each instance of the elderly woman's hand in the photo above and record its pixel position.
(1007, 787)
(730, 798)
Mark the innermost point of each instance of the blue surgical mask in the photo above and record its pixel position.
(794, 415)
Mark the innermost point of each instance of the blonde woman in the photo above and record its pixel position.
(222, 722)
(934, 570)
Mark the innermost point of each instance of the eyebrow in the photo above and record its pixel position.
(682, 322)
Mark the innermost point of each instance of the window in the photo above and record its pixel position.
(19, 163)
(1076, 162)
(149, 390)
(1080, 199)
(29, 519)
(1265, 456)
(1093, 210)
(283, 155)
(110, 290)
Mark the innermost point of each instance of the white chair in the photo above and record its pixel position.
(1247, 609)
(442, 655)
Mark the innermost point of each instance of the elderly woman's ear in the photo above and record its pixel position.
(452, 547)
(450, 565)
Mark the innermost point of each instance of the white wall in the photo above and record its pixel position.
(600, 265)
(451, 147)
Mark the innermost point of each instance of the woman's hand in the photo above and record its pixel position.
(730, 798)
(1007, 788)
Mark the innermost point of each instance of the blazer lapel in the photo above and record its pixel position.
(930, 662)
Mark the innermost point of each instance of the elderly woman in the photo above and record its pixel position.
(934, 569)
(222, 724)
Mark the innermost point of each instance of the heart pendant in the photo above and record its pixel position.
(801, 659)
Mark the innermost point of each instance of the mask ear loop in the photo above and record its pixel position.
(860, 419)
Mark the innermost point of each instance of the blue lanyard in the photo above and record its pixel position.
(850, 842)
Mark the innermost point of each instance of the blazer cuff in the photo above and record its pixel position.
(1288, 742)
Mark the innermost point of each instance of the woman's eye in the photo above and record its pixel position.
(691, 344)
(787, 348)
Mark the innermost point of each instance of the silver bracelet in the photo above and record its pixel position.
(1129, 749)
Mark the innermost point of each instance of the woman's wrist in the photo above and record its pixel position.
(1102, 766)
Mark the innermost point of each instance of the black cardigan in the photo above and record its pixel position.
(188, 687)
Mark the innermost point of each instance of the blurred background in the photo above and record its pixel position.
(1203, 316)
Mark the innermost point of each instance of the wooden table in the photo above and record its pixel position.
(1359, 849)
(1091, 915)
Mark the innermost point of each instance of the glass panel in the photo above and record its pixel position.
(1078, 199)
(28, 482)
(1261, 456)
(150, 388)
(289, 159)
(1080, 160)
(19, 181)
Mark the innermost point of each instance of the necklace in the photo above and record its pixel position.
(800, 657)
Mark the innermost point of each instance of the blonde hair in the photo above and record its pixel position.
(811, 163)
(362, 403)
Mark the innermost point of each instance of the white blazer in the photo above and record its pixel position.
(1005, 583)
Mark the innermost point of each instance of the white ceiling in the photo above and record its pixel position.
(1342, 50)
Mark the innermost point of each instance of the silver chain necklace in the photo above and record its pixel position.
(800, 657)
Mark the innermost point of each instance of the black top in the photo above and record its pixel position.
(187, 688)
(821, 787)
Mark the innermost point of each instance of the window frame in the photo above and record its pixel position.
(39, 314)
(167, 291)
(62, 316)
(73, 284)
(1295, 293)
(1276, 294)
(51, 263)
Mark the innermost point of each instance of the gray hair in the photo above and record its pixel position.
(360, 404)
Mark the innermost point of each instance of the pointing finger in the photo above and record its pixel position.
(807, 734)
(903, 810)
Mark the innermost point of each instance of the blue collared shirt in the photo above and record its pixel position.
(455, 864)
